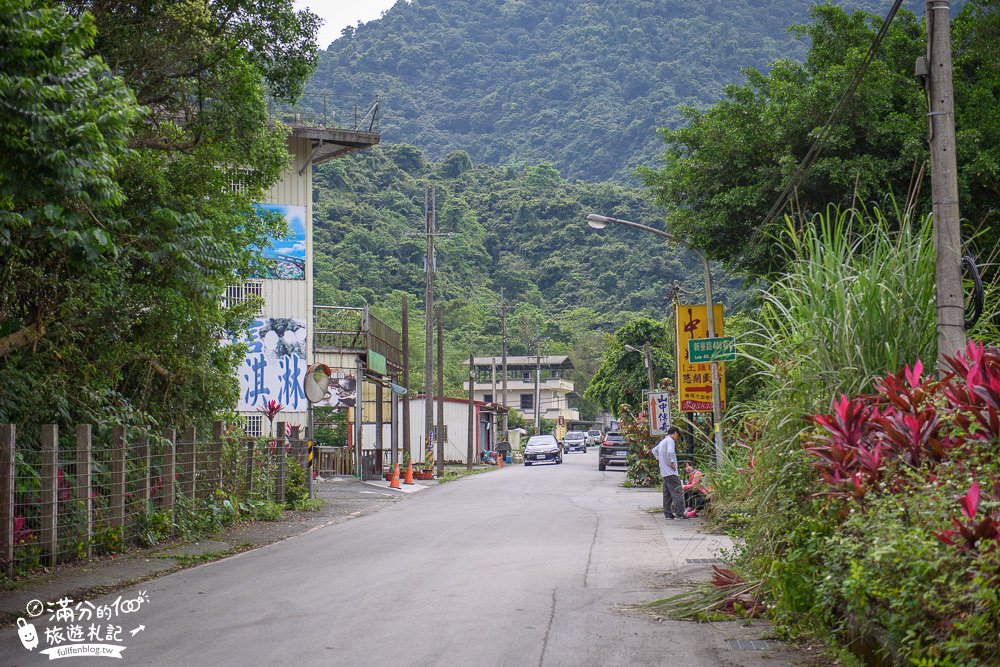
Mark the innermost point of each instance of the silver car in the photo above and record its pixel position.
(542, 448)
(575, 440)
(594, 437)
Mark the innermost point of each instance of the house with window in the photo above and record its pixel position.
(281, 336)
(555, 389)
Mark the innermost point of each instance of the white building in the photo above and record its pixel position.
(555, 390)
(281, 345)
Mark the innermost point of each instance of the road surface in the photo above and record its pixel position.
(521, 566)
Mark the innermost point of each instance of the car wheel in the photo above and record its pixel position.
(602, 466)
(558, 460)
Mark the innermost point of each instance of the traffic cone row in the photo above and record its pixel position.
(409, 474)
(394, 484)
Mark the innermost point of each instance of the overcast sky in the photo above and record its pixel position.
(338, 14)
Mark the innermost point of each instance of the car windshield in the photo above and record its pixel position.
(541, 440)
(594, 433)
(574, 435)
(614, 437)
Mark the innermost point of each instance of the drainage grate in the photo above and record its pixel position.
(704, 561)
(753, 645)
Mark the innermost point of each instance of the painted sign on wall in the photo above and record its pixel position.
(694, 380)
(286, 257)
(275, 364)
(343, 391)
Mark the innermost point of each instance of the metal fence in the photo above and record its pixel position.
(71, 495)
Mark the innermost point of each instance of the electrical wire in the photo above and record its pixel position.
(978, 293)
(814, 151)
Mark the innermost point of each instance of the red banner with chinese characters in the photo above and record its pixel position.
(694, 381)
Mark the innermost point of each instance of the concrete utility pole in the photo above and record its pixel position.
(944, 183)
(647, 350)
(503, 361)
(472, 408)
(406, 373)
(429, 328)
(538, 387)
(440, 419)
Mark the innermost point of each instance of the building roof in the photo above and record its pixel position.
(329, 143)
(525, 362)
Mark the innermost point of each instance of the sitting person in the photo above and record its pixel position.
(694, 490)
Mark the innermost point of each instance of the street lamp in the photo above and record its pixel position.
(602, 221)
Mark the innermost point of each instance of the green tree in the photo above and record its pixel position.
(621, 377)
(724, 168)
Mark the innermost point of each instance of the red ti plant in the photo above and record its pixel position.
(909, 421)
(974, 531)
(270, 410)
(848, 459)
(976, 400)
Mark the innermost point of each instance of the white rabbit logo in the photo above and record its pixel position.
(29, 637)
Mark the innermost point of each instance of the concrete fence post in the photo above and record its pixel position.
(218, 439)
(169, 469)
(249, 469)
(142, 460)
(279, 452)
(8, 441)
(118, 451)
(84, 468)
(49, 533)
(188, 461)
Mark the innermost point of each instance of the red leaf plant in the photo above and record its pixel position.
(270, 409)
(975, 402)
(974, 531)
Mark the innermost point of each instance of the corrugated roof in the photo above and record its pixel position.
(551, 361)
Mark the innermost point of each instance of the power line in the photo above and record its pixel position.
(817, 146)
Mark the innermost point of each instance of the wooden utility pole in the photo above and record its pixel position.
(472, 409)
(429, 330)
(440, 419)
(406, 373)
(944, 183)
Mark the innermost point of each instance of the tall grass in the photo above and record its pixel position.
(856, 301)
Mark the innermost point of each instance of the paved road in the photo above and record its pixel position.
(523, 566)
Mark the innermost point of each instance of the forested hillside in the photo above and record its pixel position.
(522, 230)
(581, 84)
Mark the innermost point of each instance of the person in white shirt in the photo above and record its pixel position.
(673, 495)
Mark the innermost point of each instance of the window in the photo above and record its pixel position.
(236, 294)
(526, 376)
(528, 402)
(253, 425)
(488, 398)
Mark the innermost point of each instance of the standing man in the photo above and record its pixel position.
(666, 454)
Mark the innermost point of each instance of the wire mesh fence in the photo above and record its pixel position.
(75, 493)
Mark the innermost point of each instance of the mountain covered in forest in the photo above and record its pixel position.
(583, 84)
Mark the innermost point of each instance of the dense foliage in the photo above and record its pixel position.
(726, 166)
(841, 520)
(522, 231)
(581, 84)
(622, 376)
(124, 127)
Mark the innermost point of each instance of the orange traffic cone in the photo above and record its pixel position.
(409, 474)
(394, 484)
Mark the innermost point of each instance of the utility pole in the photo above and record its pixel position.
(440, 419)
(503, 354)
(647, 350)
(472, 408)
(538, 386)
(944, 183)
(406, 373)
(429, 329)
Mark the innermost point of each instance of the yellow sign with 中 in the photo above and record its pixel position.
(694, 380)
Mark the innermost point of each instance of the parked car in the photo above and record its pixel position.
(575, 440)
(614, 451)
(594, 437)
(541, 448)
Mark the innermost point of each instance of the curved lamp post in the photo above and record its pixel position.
(602, 221)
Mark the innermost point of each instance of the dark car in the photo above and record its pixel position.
(542, 448)
(614, 451)
(575, 440)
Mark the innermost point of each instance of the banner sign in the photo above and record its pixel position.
(694, 379)
(658, 407)
(274, 365)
